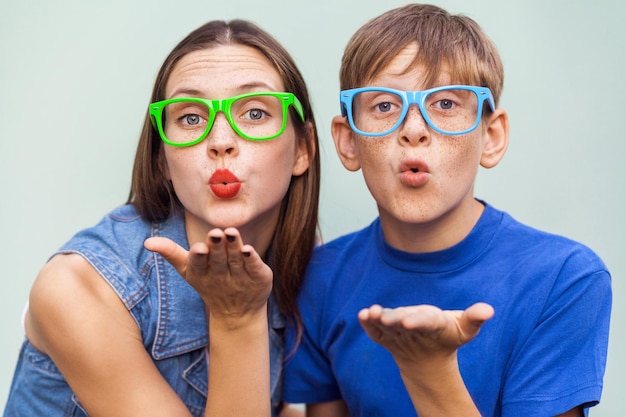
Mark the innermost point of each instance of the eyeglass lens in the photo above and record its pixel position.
(452, 111)
(258, 117)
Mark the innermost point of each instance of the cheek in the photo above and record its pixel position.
(172, 165)
(377, 166)
(372, 153)
(272, 164)
(180, 164)
(462, 157)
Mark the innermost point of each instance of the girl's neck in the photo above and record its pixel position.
(258, 233)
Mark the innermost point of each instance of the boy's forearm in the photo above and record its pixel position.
(438, 389)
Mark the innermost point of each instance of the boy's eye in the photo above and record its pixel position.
(384, 107)
(446, 104)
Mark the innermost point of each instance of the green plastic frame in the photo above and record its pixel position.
(224, 106)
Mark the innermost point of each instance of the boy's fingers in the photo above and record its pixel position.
(478, 313)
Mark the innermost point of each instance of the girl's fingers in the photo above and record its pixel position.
(197, 259)
(218, 256)
(170, 250)
(233, 246)
(254, 266)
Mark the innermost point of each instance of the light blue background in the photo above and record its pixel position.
(75, 80)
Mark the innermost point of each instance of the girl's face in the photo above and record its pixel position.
(226, 180)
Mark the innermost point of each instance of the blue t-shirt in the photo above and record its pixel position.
(543, 352)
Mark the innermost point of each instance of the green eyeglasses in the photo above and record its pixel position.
(185, 121)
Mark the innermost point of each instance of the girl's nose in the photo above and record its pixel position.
(222, 139)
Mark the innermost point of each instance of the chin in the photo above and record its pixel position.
(219, 218)
(228, 221)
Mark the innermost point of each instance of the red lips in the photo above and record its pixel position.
(224, 184)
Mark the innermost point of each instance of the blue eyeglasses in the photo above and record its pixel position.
(449, 110)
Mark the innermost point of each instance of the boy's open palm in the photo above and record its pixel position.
(424, 332)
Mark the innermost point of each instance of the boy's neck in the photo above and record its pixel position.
(434, 235)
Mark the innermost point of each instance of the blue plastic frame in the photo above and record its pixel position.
(414, 97)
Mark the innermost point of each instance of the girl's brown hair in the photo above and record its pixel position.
(294, 238)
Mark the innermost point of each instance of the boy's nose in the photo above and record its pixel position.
(414, 128)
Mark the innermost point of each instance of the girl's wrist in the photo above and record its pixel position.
(248, 322)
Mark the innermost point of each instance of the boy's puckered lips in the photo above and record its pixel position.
(224, 184)
(414, 172)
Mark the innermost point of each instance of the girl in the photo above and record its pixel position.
(130, 317)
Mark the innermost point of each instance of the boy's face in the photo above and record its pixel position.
(416, 175)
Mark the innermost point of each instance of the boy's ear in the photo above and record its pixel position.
(345, 144)
(496, 139)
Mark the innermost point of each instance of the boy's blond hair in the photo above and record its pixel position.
(455, 43)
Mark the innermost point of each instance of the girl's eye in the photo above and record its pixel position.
(256, 114)
(191, 119)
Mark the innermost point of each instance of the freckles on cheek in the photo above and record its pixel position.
(459, 153)
(183, 165)
(371, 153)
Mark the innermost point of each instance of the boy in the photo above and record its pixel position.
(462, 310)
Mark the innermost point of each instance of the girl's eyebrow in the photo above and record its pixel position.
(185, 92)
(258, 85)
(243, 88)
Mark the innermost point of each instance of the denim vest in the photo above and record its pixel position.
(169, 312)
